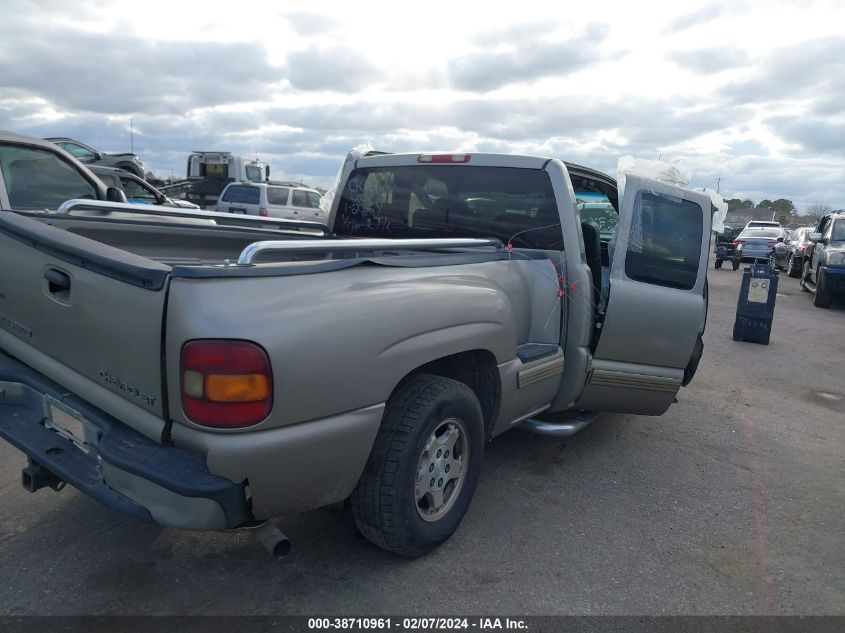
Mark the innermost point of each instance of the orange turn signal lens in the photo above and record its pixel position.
(236, 388)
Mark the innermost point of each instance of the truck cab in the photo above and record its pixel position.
(632, 284)
(212, 171)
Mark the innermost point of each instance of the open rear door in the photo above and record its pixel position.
(657, 304)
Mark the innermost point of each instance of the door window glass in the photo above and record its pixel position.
(136, 192)
(39, 179)
(313, 199)
(665, 241)
(307, 199)
(277, 195)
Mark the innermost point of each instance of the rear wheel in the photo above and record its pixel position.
(735, 264)
(718, 264)
(792, 267)
(424, 466)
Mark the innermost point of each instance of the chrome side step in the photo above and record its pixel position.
(559, 429)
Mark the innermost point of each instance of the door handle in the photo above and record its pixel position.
(57, 281)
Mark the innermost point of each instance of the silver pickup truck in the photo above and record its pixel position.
(214, 377)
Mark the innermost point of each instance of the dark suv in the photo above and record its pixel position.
(824, 263)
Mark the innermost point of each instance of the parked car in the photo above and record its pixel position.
(137, 190)
(287, 200)
(797, 244)
(824, 264)
(87, 154)
(763, 224)
(759, 243)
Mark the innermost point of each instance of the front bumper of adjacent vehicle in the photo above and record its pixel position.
(67, 440)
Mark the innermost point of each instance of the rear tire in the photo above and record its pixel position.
(423, 468)
(791, 269)
(717, 264)
(735, 264)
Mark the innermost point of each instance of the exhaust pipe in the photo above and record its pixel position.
(273, 540)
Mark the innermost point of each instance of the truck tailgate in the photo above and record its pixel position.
(86, 315)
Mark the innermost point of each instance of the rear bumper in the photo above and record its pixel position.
(755, 253)
(112, 463)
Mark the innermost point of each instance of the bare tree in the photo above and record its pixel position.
(818, 209)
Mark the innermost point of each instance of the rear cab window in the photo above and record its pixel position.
(596, 208)
(512, 204)
(253, 173)
(214, 170)
(37, 178)
(242, 194)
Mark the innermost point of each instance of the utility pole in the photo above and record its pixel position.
(718, 182)
(131, 136)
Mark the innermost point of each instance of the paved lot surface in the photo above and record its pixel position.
(731, 503)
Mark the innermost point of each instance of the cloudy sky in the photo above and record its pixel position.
(748, 92)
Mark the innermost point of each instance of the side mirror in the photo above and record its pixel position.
(780, 239)
(814, 237)
(113, 194)
(824, 241)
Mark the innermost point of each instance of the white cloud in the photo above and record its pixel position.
(303, 82)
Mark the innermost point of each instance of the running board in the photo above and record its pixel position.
(559, 429)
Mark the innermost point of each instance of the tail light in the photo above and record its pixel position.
(225, 383)
(262, 212)
(739, 241)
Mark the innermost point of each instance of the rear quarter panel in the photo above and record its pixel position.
(342, 340)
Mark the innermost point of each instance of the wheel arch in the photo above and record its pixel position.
(477, 369)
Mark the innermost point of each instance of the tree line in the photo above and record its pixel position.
(782, 209)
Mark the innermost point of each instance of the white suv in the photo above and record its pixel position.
(763, 224)
(288, 200)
